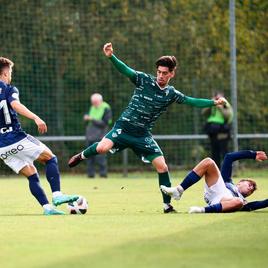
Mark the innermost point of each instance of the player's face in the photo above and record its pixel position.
(163, 75)
(96, 102)
(8, 75)
(245, 188)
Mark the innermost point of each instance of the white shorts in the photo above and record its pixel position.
(216, 192)
(22, 153)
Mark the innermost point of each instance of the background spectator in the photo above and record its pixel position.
(99, 117)
(218, 128)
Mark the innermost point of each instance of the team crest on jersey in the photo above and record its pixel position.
(117, 132)
(148, 139)
(0, 90)
(167, 92)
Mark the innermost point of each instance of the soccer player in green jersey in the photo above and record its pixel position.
(151, 98)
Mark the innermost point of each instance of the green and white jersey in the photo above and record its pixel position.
(149, 101)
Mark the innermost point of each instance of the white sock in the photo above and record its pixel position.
(166, 206)
(82, 155)
(196, 210)
(47, 207)
(180, 189)
(56, 194)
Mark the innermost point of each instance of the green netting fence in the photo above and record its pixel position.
(57, 49)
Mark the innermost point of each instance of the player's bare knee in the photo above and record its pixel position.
(102, 148)
(209, 162)
(162, 167)
(28, 171)
(45, 156)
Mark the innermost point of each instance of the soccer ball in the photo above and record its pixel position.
(79, 206)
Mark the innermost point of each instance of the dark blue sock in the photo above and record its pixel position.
(190, 179)
(37, 190)
(217, 208)
(53, 174)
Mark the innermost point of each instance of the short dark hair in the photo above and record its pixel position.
(5, 63)
(167, 61)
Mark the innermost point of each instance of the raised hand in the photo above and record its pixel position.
(42, 127)
(261, 156)
(220, 101)
(86, 117)
(108, 49)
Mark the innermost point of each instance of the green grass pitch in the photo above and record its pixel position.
(125, 227)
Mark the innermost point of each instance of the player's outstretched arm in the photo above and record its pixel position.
(203, 103)
(119, 65)
(255, 205)
(226, 170)
(23, 110)
(197, 102)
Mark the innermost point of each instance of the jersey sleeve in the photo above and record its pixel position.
(227, 166)
(197, 102)
(255, 205)
(178, 96)
(123, 68)
(12, 94)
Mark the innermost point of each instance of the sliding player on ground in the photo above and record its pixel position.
(221, 194)
(19, 150)
(151, 98)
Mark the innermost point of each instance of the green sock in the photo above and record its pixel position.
(91, 150)
(164, 180)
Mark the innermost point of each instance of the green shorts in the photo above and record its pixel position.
(144, 146)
